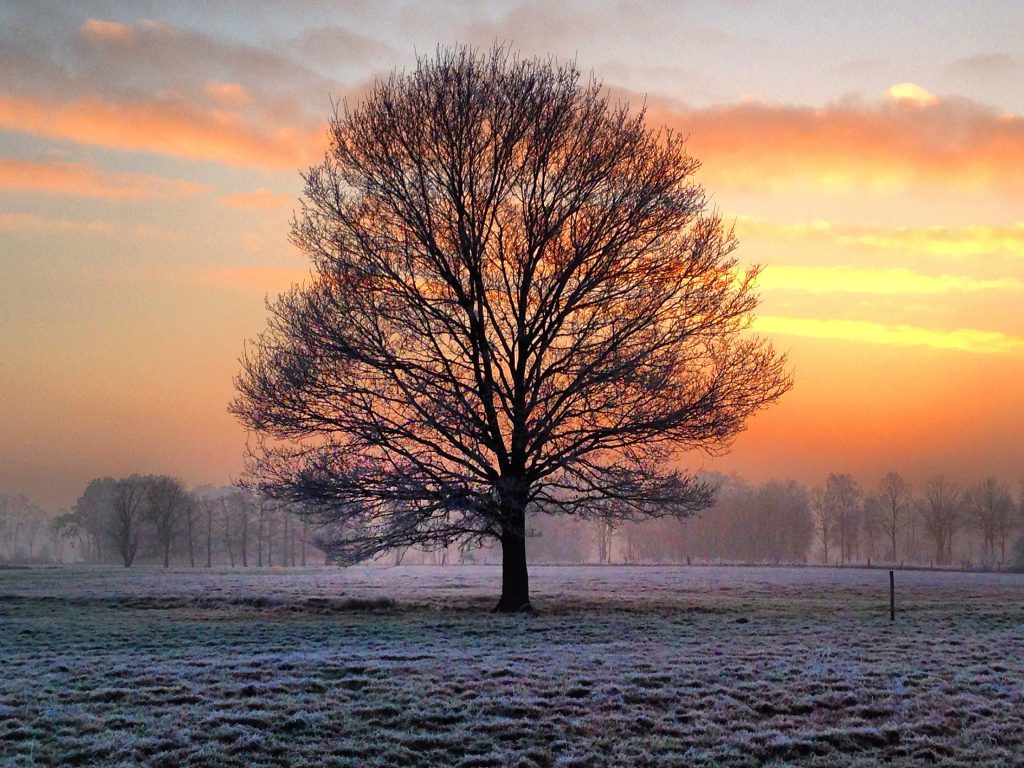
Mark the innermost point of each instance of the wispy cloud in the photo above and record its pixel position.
(107, 31)
(983, 66)
(83, 180)
(915, 140)
(962, 339)
(168, 126)
(10, 222)
(845, 279)
(261, 198)
(952, 242)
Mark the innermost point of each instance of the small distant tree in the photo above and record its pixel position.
(783, 521)
(127, 504)
(225, 516)
(520, 300)
(843, 504)
(941, 515)
(990, 510)
(166, 509)
(894, 498)
(871, 524)
(92, 516)
(824, 522)
(21, 521)
(261, 521)
(191, 517)
(604, 530)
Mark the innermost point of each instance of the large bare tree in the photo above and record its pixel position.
(519, 297)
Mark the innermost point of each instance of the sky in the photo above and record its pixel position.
(870, 155)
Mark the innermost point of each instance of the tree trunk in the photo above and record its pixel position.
(515, 579)
(167, 553)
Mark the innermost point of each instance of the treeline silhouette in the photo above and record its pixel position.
(839, 522)
(154, 519)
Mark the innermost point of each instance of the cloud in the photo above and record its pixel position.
(230, 94)
(86, 181)
(911, 94)
(107, 31)
(949, 242)
(334, 46)
(961, 339)
(894, 145)
(261, 198)
(167, 126)
(983, 66)
(843, 279)
(10, 222)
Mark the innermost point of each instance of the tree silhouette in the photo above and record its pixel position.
(519, 298)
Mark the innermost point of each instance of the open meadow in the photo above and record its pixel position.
(636, 666)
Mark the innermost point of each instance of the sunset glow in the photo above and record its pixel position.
(149, 168)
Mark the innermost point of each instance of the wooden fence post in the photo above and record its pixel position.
(892, 596)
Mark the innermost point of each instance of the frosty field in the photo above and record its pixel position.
(404, 666)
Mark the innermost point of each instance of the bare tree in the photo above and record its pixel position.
(823, 522)
(128, 498)
(261, 517)
(208, 503)
(894, 497)
(242, 504)
(871, 524)
(605, 531)
(167, 506)
(191, 515)
(92, 516)
(225, 516)
(990, 510)
(843, 503)
(519, 298)
(940, 512)
(781, 524)
(21, 521)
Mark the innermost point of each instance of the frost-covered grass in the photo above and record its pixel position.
(403, 666)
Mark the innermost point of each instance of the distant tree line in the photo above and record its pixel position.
(27, 533)
(940, 523)
(154, 519)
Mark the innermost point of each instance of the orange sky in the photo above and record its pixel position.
(149, 165)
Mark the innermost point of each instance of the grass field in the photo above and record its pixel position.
(404, 666)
